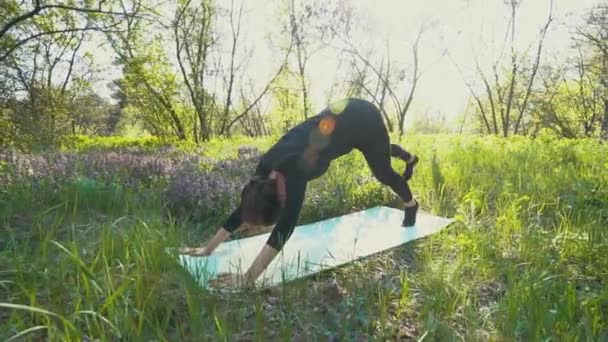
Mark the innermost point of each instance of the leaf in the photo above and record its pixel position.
(31, 309)
(26, 331)
(80, 264)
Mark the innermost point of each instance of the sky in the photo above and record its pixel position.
(463, 28)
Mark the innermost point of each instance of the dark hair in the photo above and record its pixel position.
(260, 203)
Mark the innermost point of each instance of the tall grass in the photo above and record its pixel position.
(527, 260)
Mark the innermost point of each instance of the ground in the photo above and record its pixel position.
(83, 241)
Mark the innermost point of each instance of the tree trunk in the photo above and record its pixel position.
(604, 131)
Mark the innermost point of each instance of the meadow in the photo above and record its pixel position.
(83, 234)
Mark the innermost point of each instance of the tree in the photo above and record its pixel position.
(359, 84)
(388, 81)
(47, 73)
(118, 110)
(90, 113)
(149, 80)
(312, 26)
(19, 23)
(287, 99)
(593, 35)
(572, 102)
(194, 39)
(504, 106)
(251, 99)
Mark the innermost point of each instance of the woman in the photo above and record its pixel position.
(275, 194)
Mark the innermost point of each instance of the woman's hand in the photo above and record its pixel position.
(195, 251)
(221, 235)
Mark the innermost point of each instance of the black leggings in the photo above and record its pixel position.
(378, 156)
(373, 141)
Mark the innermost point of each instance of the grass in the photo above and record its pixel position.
(527, 260)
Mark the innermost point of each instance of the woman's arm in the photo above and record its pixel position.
(219, 237)
(232, 224)
(260, 263)
(296, 189)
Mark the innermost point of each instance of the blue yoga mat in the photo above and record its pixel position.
(318, 246)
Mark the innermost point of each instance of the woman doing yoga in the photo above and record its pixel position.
(275, 193)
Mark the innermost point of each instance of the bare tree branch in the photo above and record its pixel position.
(263, 92)
(534, 69)
(236, 31)
(71, 63)
(38, 8)
(106, 29)
(514, 69)
(490, 95)
(415, 78)
(474, 94)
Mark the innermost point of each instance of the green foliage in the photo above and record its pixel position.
(287, 102)
(573, 110)
(153, 90)
(46, 82)
(427, 124)
(217, 147)
(526, 261)
(83, 143)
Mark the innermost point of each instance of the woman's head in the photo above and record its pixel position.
(260, 204)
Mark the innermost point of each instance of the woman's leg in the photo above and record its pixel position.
(410, 159)
(377, 153)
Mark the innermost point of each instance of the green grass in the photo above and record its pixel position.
(528, 259)
(213, 147)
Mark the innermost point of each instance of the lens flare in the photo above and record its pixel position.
(327, 125)
(338, 107)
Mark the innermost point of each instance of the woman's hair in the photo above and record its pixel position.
(260, 203)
